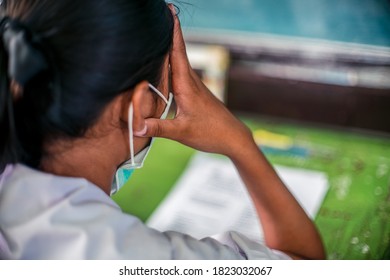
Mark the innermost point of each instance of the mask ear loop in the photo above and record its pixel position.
(131, 118)
(131, 134)
(159, 93)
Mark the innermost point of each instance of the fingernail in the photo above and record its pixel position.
(142, 132)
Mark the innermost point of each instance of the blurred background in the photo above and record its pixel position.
(311, 60)
(311, 78)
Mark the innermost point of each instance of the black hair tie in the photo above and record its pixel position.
(24, 59)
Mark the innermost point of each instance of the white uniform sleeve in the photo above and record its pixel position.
(249, 249)
(215, 247)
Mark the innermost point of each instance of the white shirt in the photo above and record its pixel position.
(43, 216)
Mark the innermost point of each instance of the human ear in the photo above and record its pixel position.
(143, 106)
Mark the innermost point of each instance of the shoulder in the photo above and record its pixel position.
(43, 216)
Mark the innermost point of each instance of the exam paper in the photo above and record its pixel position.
(210, 198)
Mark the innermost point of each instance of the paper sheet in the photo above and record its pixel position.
(210, 198)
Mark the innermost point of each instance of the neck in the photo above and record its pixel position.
(83, 158)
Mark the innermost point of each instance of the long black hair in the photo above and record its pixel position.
(95, 50)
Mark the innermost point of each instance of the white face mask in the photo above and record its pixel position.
(125, 171)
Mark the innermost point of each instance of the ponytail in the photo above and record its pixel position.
(20, 62)
(8, 140)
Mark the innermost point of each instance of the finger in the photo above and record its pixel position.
(178, 55)
(158, 128)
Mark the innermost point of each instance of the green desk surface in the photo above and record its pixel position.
(354, 219)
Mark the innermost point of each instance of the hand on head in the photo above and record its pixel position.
(202, 121)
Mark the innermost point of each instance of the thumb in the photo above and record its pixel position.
(158, 128)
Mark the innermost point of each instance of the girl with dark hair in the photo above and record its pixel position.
(84, 89)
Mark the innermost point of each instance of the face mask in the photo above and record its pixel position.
(125, 171)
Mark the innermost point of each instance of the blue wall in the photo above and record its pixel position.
(356, 21)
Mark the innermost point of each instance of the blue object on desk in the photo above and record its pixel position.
(292, 151)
